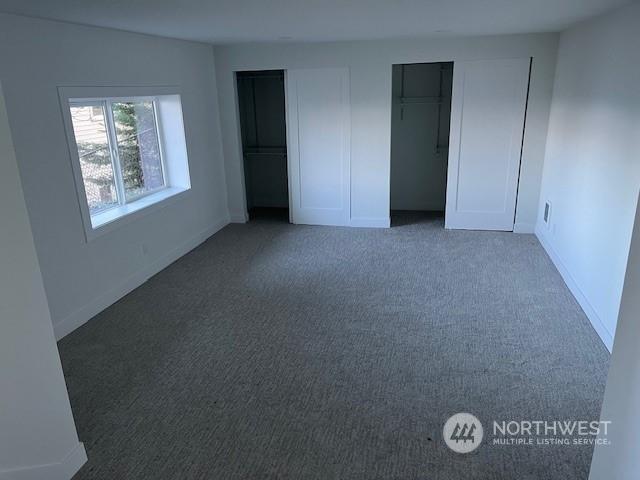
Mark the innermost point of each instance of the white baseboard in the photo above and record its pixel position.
(365, 222)
(65, 469)
(370, 222)
(108, 298)
(597, 323)
(524, 228)
(239, 217)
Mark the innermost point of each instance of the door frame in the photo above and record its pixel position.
(287, 121)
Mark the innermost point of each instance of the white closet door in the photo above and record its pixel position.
(487, 121)
(318, 132)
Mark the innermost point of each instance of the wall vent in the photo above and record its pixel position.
(547, 213)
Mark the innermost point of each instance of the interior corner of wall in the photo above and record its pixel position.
(238, 217)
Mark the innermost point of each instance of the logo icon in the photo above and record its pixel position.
(463, 433)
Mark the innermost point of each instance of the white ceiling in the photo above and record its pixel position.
(230, 21)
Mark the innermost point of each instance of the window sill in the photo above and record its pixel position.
(113, 218)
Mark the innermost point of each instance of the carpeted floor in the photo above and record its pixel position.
(275, 351)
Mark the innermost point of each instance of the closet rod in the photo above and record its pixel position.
(260, 76)
(421, 103)
(272, 154)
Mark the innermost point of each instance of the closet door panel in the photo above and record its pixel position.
(487, 121)
(318, 129)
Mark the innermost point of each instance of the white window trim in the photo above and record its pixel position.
(114, 217)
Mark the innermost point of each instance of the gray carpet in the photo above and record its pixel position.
(275, 351)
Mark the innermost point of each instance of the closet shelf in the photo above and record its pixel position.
(265, 151)
(423, 100)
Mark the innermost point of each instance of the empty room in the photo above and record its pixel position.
(319, 240)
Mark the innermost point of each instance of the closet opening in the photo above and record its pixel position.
(261, 103)
(420, 122)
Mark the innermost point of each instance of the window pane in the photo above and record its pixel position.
(95, 158)
(138, 147)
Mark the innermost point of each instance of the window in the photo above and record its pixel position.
(95, 157)
(124, 160)
(118, 149)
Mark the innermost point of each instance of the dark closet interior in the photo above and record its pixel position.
(421, 100)
(261, 101)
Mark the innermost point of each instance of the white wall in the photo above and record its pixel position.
(37, 56)
(620, 460)
(370, 69)
(418, 156)
(38, 438)
(592, 168)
